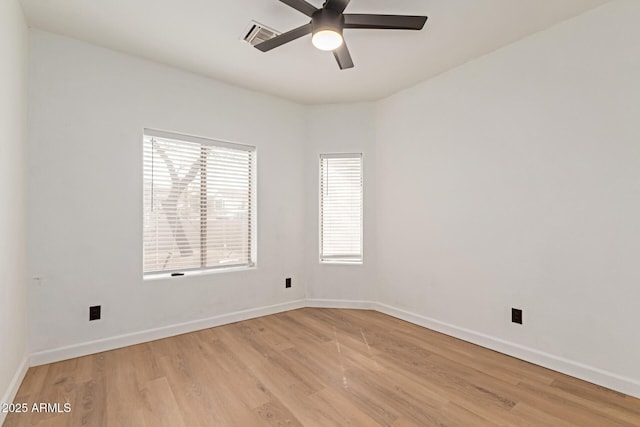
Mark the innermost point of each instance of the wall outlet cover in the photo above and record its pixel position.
(516, 315)
(94, 312)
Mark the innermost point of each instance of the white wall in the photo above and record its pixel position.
(88, 107)
(340, 129)
(514, 181)
(13, 116)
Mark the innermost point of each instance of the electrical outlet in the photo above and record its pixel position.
(287, 282)
(94, 312)
(516, 316)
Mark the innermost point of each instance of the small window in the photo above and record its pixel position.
(199, 204)
(341, 208)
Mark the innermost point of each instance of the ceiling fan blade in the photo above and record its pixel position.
(301, 6)
(337, 5)
(343, 56)
(384, 22)
(284, 38)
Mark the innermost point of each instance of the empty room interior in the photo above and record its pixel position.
(320, 213)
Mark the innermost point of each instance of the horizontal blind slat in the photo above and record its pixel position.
(341, 207)
(198, 203)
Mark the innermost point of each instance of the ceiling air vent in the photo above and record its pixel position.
(257, 33)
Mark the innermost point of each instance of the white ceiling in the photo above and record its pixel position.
(204, 36)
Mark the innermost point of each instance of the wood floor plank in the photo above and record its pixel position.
(314, 367)
(529, 416)
(146, 363)
(275, 414)
(89, 407)
(160, 407)
(324, 366)
(456, 415)
(569, 409)
(123, 400)
(594, 394)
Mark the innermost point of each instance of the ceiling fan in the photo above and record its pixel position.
(328, 22)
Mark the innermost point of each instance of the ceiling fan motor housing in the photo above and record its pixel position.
(327, 19)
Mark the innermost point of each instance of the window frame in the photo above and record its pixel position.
(337, 260)
(252, 223)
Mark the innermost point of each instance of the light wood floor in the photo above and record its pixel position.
(315, 367)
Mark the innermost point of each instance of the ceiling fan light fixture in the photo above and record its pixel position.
(327, 39)
(327, 26)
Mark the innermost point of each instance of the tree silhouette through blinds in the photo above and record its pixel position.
(198, 204)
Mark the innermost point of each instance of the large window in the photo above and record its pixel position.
(199, 203)
(341, 208)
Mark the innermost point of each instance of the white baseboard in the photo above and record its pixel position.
(550, 361)
(575, 369)
(14, 385)
(106, 344)
(340, 303)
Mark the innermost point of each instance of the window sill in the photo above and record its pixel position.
(196, 273)
(337, 262)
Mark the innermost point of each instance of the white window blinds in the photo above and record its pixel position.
(198, 203)
(341, 208)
